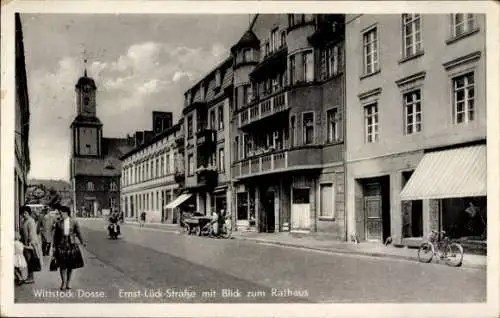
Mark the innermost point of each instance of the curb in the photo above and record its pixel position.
(344, 251)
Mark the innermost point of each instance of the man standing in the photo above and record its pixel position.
(47, 227)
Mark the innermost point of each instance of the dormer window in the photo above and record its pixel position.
(218, 79)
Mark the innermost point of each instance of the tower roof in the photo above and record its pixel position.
(85, 80)
(249, 39)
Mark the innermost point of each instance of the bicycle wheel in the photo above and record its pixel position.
(425, 253)
(454, 254)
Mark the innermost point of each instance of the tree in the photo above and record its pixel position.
(40, 194)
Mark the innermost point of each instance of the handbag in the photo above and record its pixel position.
(77, 256)
(32, 259)
(53, 265)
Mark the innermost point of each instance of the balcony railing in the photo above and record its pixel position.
(268, 107)
(303, 157)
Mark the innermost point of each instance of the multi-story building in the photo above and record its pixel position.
(287, 127)
(206, 143)
(148, 173)
(416, 125)
(95, 165)
(22, 124)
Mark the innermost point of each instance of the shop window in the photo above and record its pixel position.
(242, 210)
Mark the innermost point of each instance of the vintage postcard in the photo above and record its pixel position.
(250, 159)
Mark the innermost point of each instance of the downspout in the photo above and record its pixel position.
(344, 131)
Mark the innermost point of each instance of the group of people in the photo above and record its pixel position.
(217, 222)
(53, 233)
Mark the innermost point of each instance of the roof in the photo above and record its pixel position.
(110, 165)
(249, 39)
(225, 64)
(91, 120)
(157, 137)
(85, 80)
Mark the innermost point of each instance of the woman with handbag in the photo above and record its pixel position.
(66, 255)
(33, 245)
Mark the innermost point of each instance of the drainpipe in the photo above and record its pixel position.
(344, 130)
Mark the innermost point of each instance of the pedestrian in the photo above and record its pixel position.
(33, 246)
(471, 211)
(67, 253)
(47, 228)
(143, 219)
(20, 264)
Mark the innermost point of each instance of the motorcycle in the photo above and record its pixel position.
(113, 230)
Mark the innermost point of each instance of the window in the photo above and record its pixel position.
(190, 127)
(308, 128)
(283, 39)
(327, 201)
(157, 167)
(247, 94)
(162, 166)
(370, 51)
(112, 203)
(371, 123)
(274, 40)
(463, 98)
(112, 186)
(247, 55)
(236, 148)
(413, 112)
(293, 78)
(246, 146)
(308, 66)
(292, 131)
(212, 119)
(168, 163)
(463, 23)
(266, 49)
(90, 186)
(333, 125)
(217, 79)
(297, 19)
(221, 117)
(330, 61)
(191, 164)
(221, 160)
(412, 38)
(202, 91)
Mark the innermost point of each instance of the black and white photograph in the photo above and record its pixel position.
(272, 155)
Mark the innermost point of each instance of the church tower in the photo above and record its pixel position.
(86, 127)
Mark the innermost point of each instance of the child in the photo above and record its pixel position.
(20, 265)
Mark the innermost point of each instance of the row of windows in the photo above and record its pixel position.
(211, 162)
(283, 138)
(154, 200)
(112, 186)
(463, 100)
(412, 43)
(156, 167)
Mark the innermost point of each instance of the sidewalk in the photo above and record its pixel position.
(366, 248)
(96, 282)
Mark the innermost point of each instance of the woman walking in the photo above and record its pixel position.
(31, 241)
(67, 254)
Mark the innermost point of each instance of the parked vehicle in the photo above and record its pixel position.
(201, 225)
(439, 245)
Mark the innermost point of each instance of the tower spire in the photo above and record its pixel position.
(85, 62)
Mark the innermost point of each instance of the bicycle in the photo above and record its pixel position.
(439, 245)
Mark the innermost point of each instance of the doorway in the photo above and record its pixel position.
(268, 215)
(376, 208)
(301, 209)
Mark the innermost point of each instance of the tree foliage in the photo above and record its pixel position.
(40, 194)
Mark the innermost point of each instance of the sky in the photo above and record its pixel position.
(140, 63)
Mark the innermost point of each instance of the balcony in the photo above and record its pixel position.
(179, 177)
(306, 157)
(268, 107)
(206, 177)
(272, 63)
(206, 137)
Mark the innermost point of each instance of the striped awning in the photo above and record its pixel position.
(177, 201)
(453, 173)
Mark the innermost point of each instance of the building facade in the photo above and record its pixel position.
(416, 125)
(148, 173)
(94, 165)
(22, 124)
(207, 145)
(287, 127)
